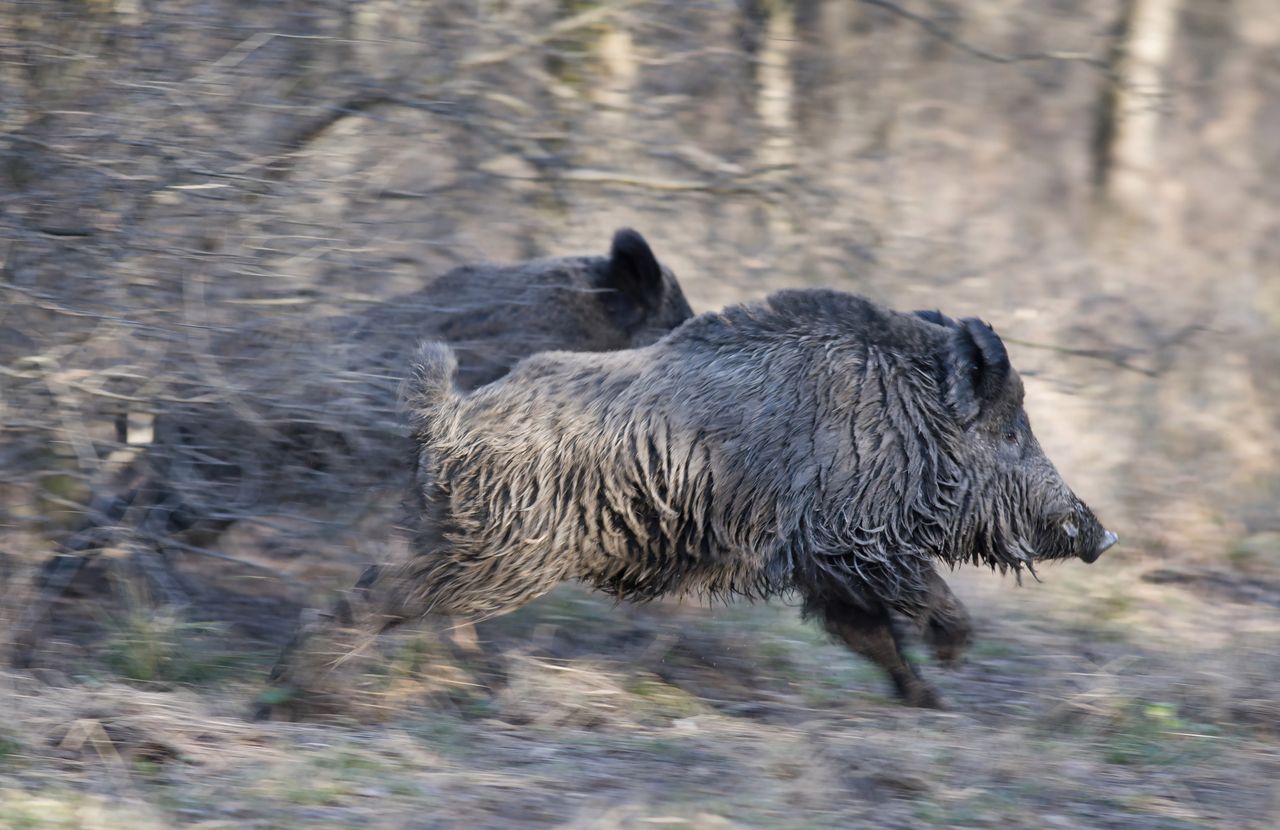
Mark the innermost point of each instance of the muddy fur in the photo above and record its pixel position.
(814, 443)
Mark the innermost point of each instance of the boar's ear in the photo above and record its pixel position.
(634, 271)
(979, 368)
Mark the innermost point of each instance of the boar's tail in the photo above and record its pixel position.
(430, 381)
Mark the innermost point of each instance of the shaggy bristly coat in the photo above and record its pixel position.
(816, 443)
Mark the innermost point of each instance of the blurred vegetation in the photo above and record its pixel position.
(1094, 177)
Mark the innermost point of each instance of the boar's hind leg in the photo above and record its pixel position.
(385, 596)
(870, 631)
(440, 586)
(426, 586)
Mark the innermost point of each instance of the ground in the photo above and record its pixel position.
(1128, 694)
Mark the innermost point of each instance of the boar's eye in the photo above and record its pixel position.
(1011, 436)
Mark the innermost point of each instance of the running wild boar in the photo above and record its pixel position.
(293, 414)
(279, 415)
(815, 443)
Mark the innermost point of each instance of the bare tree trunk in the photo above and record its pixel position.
(617, 55)
(775, 107)
(1127, 151)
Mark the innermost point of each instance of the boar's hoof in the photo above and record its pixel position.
(948, 639)
(920, 695)
(302, 681)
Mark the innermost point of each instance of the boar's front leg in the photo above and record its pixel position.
(867, 627)
(862, 616)
(945, 622)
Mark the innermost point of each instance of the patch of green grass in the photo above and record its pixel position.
(835, 686)
(776, 656)
(1259, 552)
(10, 751)
(769, 618)
(325, 778)
(1113, 604)
(146, 767)
(675, 749)
(672, 749)
(446, 734)
(58, 491)
(569, 608)
(1155, 734)
(981, 809)
(64, 809)
(21, 818)
(571, 605)
(315, 793)
(1092, 628)
(661, 700)
(346, 760)
(155, 647)
(403, 788)
(411, 657)
(995, 649)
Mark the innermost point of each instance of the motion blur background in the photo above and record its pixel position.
(1096, 178)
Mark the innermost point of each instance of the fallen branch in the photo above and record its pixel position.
(1115, 358)
(1120, 357)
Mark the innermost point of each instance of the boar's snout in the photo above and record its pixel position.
(1108, 539)
(1074, 533)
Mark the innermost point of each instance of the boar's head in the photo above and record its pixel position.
(495, 315)
(1016, 509)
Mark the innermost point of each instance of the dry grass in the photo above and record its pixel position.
(1095, 699)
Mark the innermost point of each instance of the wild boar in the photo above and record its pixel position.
(312, 417)
(277, 415)
(815, 443)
